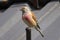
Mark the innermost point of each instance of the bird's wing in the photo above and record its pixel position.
(34, 17)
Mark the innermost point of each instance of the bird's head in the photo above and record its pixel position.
(25, 9)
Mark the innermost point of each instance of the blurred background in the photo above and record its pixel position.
(13, 28)
(4, 4)
(35, 4)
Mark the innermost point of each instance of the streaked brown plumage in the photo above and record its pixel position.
(29, 18)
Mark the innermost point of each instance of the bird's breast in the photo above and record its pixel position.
(29, 19)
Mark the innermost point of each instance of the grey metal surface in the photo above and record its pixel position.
(13, 28)
(52, 32)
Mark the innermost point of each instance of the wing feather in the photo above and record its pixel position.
(34, 17)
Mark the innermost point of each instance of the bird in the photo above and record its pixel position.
(30, 19)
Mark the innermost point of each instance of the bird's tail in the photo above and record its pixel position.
(38, 26)
(39, 31)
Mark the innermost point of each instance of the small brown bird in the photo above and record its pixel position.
(29, 18)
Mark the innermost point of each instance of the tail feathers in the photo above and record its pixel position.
(41, 34)
(38, 26)
(39, 31)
